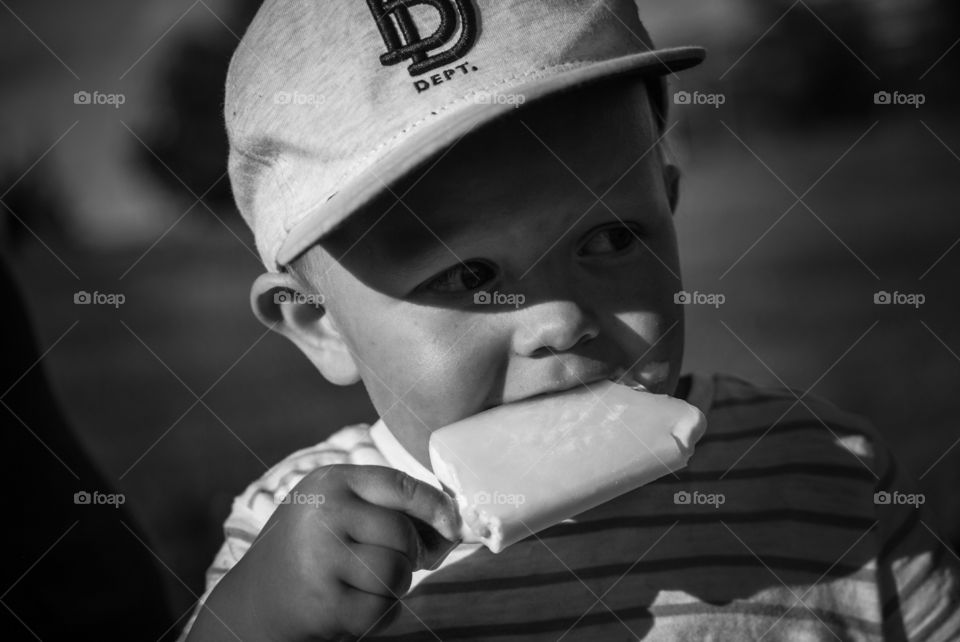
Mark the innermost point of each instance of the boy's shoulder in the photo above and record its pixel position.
(349, 445)
(735, 401)
(732, 391)
(769, 426)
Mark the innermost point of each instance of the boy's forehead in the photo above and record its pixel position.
(568, 131)
(549, 162)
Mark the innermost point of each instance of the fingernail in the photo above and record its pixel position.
(451, 520)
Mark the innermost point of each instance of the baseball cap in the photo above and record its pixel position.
(329, 102)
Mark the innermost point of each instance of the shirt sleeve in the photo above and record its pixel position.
(252, 509)
(918, 573)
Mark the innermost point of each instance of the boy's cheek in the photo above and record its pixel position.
(422, 383)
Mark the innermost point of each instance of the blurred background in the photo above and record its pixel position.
(819, 144)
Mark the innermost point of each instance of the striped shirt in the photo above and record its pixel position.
(791, 521)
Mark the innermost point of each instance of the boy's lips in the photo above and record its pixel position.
(568, 383)
(642, 377)
(577, 383)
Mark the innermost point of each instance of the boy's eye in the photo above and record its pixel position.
(609, 240)
(462, 277)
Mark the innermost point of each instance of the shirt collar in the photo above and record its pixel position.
(399, 457)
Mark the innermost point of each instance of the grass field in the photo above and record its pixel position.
(798, 300)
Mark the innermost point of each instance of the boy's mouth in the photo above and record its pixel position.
(628, 378)
(644, 377)
(647, 377)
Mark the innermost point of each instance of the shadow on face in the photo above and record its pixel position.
(522, 189)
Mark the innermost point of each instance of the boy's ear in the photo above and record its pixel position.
(281, 304)
(671, 178)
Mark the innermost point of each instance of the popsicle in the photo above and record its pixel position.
(519, 468)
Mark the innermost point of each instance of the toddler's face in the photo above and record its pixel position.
(499, 275)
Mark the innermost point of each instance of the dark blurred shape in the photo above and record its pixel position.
(822, 61)
(71, 571)
(187, 130)
(799, 73)
(32, 196)
(921, 37)
(944, 35)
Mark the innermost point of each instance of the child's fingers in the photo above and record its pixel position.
(435, 547)
(377, 570)
(387, 528)
(394, 489)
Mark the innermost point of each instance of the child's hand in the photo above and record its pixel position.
(333, 559)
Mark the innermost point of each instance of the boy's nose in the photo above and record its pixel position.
(552, 326)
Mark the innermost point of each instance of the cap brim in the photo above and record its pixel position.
(438, 133)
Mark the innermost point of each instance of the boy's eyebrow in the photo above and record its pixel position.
(416, 252)
(429, 251)
(428, 259)
(422, 243)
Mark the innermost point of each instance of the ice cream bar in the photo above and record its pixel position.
(519, 468)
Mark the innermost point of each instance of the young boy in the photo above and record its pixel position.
(396, 182)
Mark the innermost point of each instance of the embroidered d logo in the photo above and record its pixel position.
(403, 39)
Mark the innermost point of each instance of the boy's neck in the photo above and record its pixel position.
(400, 456)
